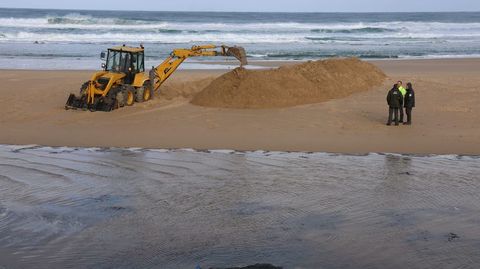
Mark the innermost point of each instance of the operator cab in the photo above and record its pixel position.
(127, 60)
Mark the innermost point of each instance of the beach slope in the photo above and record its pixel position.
(445, 121)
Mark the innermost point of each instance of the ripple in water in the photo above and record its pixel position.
(137, 208)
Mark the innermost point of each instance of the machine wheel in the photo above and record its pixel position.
(83, 89)
(139, 95)
(121, 99)
(143, 94)
(130, 97)
(149, 94)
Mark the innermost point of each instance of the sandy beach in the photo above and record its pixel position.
(445, 119)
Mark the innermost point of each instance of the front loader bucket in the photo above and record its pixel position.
(74, 102)
(239, 53)
(100, 104)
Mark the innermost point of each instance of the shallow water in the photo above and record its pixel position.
(119, 208)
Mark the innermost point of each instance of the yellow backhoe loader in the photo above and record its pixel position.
(123, 80)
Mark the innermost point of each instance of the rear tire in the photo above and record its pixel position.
(148, 87)
(147, 95)
(130, 97)
(139, 95)
(143, 94)
(121, 99)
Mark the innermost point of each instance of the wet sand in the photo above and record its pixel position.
(118, 208)
(445, 121)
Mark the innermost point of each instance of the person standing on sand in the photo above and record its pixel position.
(395, 101)
(404, 92)
(409, 103)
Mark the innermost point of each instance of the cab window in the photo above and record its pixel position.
(118, 61)
(138, 64)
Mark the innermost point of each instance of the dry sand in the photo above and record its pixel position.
(445, 121)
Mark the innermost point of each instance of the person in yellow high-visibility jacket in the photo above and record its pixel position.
(404, 92)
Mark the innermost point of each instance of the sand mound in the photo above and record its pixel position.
(183, 89)
(306, 83)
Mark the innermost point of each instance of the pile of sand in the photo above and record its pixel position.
(183, 89)
(306, 83)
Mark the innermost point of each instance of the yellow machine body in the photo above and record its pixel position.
(124, 81)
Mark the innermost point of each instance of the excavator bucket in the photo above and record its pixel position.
(239, 53)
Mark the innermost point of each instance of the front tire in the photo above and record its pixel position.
(83, 89)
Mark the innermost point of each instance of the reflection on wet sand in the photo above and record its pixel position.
(118, 208)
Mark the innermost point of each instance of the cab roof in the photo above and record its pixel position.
(127, 49)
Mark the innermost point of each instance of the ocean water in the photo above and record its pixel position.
(59, 39)
(139, 208)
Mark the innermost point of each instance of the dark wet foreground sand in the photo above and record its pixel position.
(118, 208)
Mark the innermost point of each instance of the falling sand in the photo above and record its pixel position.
(311, 82)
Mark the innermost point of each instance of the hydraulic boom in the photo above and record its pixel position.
(162, 72)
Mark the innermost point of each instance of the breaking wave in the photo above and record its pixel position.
(51, 33)
(354, 30)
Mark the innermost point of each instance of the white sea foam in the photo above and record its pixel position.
(69, 39)
(160, 37)
(74, 22)
(24, 36)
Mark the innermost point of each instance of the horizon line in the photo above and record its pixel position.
(224, 11)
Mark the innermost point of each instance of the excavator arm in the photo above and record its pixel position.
(162, 72)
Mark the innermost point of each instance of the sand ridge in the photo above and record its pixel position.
(306, 83)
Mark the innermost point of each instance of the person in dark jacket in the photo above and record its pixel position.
(395, 101)
(409, 103)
